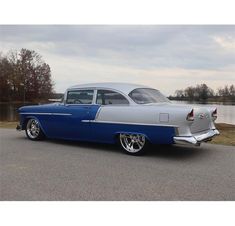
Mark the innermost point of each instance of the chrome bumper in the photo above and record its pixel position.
(18, 127)
(197, 139)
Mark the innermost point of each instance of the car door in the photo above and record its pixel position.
(77, 109)
(108, 99)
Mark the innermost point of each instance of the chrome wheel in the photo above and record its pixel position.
(132, 143)
(33, 129)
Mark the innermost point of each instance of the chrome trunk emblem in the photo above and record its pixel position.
(201, 116)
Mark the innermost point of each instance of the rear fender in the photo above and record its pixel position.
(128, 132)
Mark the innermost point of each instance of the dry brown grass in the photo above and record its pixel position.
(227, 134)
(9, 125)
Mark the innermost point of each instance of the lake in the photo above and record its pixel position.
(226, 112)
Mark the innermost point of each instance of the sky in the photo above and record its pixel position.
(165, 57)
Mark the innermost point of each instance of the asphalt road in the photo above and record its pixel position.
(61, 170)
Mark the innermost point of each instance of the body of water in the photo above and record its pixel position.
(226, 112)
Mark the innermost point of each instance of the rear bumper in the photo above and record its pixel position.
(197, 139)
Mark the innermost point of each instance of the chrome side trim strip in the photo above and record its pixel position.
(129, 123)
(43, 113)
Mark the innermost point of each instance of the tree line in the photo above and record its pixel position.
(202, 92)
(24, 76)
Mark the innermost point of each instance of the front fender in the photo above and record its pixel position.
(25, 120)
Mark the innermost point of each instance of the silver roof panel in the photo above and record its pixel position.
(122, 87)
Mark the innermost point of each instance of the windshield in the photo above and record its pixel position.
(147, 96)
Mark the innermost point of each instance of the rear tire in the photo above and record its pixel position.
(33, 130)
(133, 144)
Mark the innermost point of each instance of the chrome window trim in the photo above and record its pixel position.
(94, 97)
(131, 102)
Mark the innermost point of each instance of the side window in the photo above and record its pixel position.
(105, 97)
(80, 97)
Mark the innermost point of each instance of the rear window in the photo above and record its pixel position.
(147, 96)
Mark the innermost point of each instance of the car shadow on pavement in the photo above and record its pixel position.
(158, 151)
(88, 145)
(162, 151)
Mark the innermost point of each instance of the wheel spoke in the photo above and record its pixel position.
(139, 144)
(131, 146)
(132, 142)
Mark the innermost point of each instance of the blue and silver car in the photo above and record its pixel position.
(129, 114)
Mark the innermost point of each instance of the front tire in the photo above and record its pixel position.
(33, 130)
(133, 144)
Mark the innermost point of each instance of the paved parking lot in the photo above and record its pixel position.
(60, 170)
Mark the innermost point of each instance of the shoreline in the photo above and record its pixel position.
(222, 100)
(226, 137)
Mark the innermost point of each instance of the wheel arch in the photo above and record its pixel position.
(32, 117)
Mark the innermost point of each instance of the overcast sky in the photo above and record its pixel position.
(163, 57)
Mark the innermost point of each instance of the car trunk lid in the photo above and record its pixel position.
(202, 120)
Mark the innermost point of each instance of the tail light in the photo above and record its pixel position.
(190, 116)
(214, 114)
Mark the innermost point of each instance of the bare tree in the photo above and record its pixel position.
(25, 76)
(190, 93)
(232, 90)
(204, 92)
(179, 93)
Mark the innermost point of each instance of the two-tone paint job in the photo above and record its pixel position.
(160, 123)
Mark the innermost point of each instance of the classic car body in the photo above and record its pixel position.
(107, 112)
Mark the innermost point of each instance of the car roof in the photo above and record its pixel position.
(125, 88)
